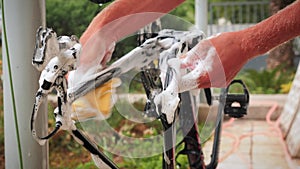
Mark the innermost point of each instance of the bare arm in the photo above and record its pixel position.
(124, 8)
(215, 61)
(260, 38)
(118, 20)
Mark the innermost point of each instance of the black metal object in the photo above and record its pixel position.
(152, 84)
(208, 96)
(217, 134)
(241, 100)
(100, 1)
(169, 130)
(192, 143)
(82, 139)
(189, 126)
(168, 161)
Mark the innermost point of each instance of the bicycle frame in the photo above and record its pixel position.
(187, 116)
(167, 46)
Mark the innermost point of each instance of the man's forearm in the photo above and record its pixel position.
(123, 17)
(262, 37)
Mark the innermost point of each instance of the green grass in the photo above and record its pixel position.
(66, 153)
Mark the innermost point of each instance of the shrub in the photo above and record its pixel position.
(267, 81)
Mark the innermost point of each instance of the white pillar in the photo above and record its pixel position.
(201, 15)
(22, 19)
(201, 23)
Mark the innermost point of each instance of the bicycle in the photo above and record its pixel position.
(165, 46)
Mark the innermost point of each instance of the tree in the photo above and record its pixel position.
(185, 11)
(73, 16)
(283, 54)
(70, 17)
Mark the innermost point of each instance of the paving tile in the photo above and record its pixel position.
(238, 145)
(239, 127)
(260, 125)
(245, 146)
(259, 147)
(267, 150)
(267, 145)
(261, 161)
(232, 165)
(237, 158)
(266, 139)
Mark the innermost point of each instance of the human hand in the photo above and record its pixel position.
(209, 69)
(95, 54)
(215, 61)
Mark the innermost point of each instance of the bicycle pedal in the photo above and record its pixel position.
(236, 105)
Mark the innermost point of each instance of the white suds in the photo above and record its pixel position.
(168, 99)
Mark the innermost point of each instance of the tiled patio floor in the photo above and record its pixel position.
(252, 144)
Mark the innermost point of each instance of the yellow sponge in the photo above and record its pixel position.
(96, 103)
